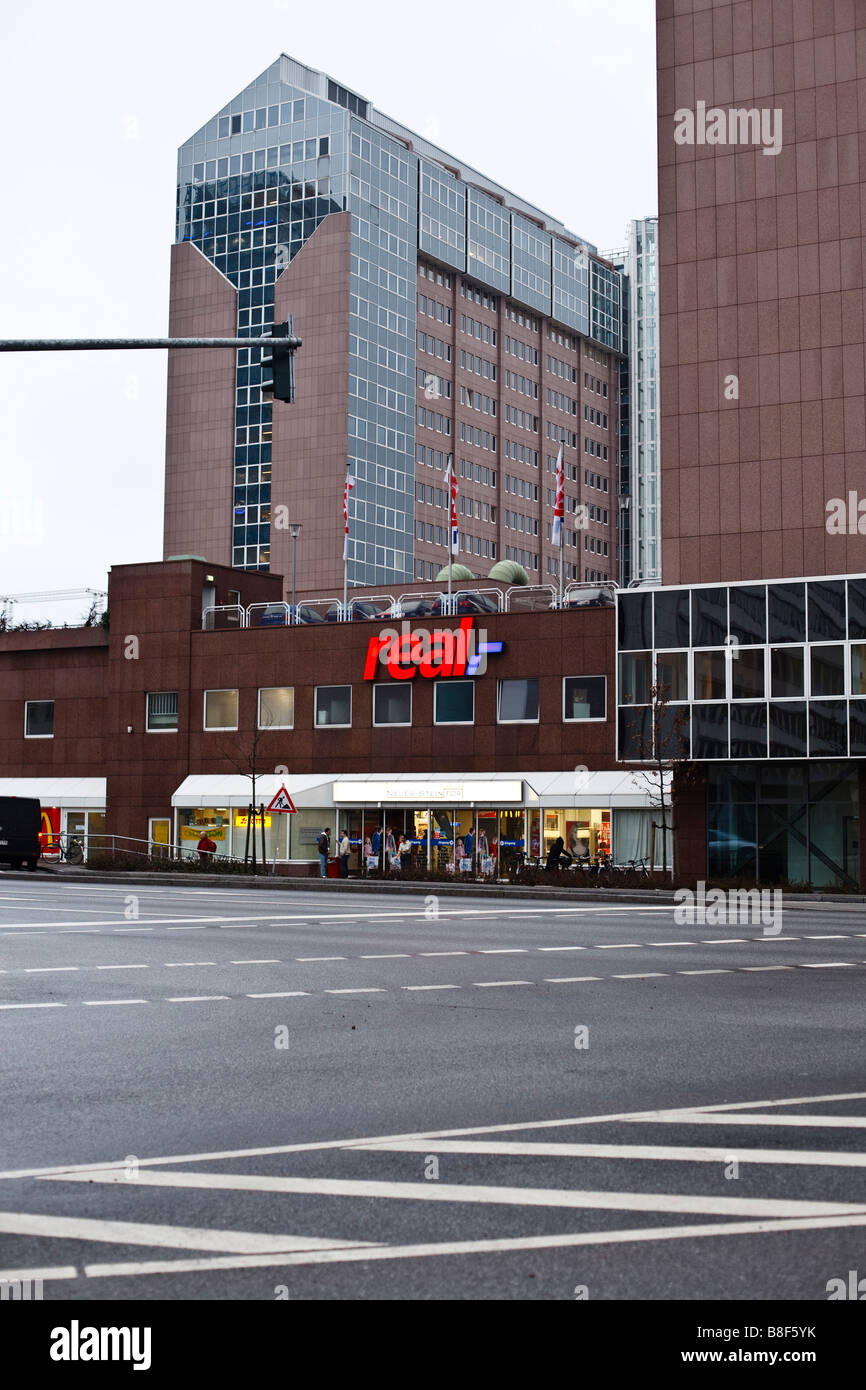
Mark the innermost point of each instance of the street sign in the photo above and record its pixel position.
(283, 802)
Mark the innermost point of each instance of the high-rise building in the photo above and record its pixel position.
(439, 314)
(639, 483)
(761, 223)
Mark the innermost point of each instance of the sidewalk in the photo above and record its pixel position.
(276, 883)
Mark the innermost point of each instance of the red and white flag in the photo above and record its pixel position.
(559, 508)
(452, 482)
(350, 483)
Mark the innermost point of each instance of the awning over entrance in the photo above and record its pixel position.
(79, 792)
(604, 790)
(235, 790)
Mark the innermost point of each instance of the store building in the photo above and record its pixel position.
(494, 731)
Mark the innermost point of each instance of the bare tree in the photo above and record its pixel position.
(663, 747)
(244, 753)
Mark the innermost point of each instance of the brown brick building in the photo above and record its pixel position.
(762, 122)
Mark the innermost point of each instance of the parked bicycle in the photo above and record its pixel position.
(72, 851)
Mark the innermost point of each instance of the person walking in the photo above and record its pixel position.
(390, 848)
(206, 848)
(344, 851)
(323, 844)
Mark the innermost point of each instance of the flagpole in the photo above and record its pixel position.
(450, 532)
(561, 540)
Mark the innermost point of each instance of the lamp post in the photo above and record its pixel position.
(295, 528)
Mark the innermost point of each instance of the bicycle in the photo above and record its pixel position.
(72, 851)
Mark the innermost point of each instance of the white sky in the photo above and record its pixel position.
(555, 99)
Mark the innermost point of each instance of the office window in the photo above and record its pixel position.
(39, 719)
(786, 672)
(584, 697)
(333, 706)
(392, 704)
(635, 678)
(747, 673)
(162, 712)
(858, 668)
(709, 675)
(672, 674)
(828, 670)
(518, 701)
(277, 707)
(220, 709)
(454, 702)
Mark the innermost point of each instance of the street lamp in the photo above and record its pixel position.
(295, 528)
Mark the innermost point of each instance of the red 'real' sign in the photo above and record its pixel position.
(407, 652)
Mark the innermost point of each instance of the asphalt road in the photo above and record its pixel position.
(252, 1096)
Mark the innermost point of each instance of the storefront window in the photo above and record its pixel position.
(306, 826)
(512, 841)
(214, 819)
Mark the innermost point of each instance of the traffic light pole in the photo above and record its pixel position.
(112, 344)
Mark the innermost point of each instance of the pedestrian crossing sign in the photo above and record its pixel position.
(283, 802)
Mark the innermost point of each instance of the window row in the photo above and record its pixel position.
(735, 672)
(476, 329)
(441, 277)
(560, 368)
(593, 384)
(516, 348)
(471, 362)
(595, 417)
(435, 346)
(584, 698)
(434, 309)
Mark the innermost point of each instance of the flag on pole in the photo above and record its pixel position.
(452, 480)
(559, 508)
(350, 483)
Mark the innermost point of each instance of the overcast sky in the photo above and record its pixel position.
(555, 99)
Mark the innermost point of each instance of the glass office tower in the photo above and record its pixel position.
(256, 182)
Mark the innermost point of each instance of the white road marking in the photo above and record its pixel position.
(708, 1205)
(443, 953)
(672, 943)
(719, 1117)
(175, 1237)
(753, 969)
(503, 951)
(32, 1006)
(104, 1003)
(478, 1247)
(255, 962)
(49, 1272)
(283, 994)
(823, 936)
(395, 955)
(646, 1152)
(305, 960)
(416, 987)
(571, 979)
(618, 946)
(561, 948)
(825, 964)
(729, 941)
(644, 975)
(709, 1113)
(705, 972)
(376, 990)
(123, 967)
(498, 984)
(195, 998)
(178, 964)
(48, 969)
(120, 930)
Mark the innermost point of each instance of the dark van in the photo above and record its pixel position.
(20, 824)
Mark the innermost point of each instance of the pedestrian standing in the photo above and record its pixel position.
(323, 844)
(344, 852)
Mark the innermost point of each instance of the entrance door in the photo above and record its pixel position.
(158, 834)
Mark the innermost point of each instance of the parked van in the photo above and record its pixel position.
(20, 824)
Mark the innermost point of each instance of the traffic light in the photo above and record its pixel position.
(281, 365)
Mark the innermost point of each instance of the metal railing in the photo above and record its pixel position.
(415, 603)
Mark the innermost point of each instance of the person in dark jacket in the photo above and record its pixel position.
(323, 844)
(558, 856)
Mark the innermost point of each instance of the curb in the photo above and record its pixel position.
(366, 886)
